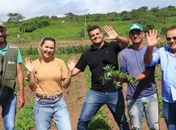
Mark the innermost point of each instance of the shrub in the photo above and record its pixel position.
(32, 25)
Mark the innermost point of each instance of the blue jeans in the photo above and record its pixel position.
(8, 113)
(169, 110)
(46, 110)
(94, 100)
(148, 105)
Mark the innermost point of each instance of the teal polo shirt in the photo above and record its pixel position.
(4, 50)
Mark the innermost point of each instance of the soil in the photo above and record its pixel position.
(75, 96)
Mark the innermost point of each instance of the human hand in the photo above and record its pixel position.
(152, 38)
(71, 64)
(28, 64)
(20, 100)
(111, 32)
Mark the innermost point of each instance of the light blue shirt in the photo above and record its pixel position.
(167, 61)
(19, 58)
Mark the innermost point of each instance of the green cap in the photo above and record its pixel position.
(136, 26)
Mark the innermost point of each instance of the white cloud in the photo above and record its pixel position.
(33, 8)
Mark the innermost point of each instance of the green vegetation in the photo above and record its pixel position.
(116, 76)
(25, 118)
(72, 27)
(60, 50)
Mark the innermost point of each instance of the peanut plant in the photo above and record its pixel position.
(116, 76)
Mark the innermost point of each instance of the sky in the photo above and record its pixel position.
(34, 8)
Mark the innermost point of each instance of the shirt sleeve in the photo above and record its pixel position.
(81, 64)
(19, 57)
(155, 57)
(122, 62)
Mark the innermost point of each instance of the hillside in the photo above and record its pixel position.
(73, 27)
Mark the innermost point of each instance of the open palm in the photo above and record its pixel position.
(71, 64)
(111, 32)
(152, 38)
(28, 64)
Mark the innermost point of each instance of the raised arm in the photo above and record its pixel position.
(29, 65)
(114, 36)
(75, 70)
(152, 40)
(70, 66)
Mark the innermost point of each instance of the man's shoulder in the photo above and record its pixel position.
(128, 49)
(10, 45)
(87, 52)
(111, 43)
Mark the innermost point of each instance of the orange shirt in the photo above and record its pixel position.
(49, 76)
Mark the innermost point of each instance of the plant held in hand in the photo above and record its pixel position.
(116, 76)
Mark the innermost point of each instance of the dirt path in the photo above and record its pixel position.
(75, 96)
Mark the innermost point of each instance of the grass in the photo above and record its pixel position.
(62, 31)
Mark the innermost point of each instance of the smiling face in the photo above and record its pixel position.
(136, 36)
(171, 39)
(96, 36)
(47, 49)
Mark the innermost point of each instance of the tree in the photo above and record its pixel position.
(155, 9)
(15, 17)
(70, 14)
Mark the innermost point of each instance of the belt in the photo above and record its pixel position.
(42, 96)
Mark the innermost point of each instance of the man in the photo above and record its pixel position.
(166, 57)
(11, 68)
(141, 95)
(100, 54)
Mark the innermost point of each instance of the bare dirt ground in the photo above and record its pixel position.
(75, 96)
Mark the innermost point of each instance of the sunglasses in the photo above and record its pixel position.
(170, 38)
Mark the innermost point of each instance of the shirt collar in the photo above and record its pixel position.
(95, 48)
(5, 48)
(168, 48)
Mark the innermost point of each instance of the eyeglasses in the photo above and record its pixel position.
(170, 38)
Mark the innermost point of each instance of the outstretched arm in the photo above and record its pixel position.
(114, 36)
(152, 40)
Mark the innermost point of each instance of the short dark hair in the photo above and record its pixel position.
(91, 28)
(170, 28)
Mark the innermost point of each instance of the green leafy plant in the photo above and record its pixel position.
(115, 76)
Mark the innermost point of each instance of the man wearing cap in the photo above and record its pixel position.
(141, 95)
(166, 57)
(11, 68)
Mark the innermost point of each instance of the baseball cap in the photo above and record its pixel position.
(136, 26)
(2, 24)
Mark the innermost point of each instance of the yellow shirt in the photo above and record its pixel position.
(49, 76)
